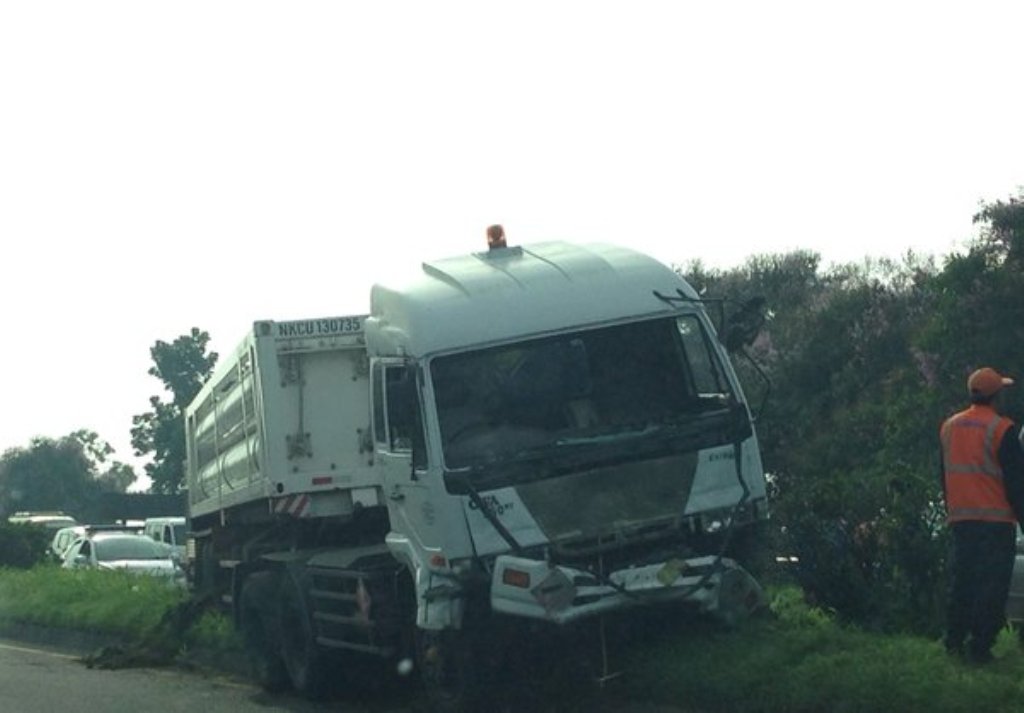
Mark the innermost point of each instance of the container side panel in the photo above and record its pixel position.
(317, 414)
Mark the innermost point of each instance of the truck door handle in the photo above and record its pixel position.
(397, 495)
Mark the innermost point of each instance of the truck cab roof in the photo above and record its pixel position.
(508, 293)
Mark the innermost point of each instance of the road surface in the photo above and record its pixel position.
(42, 679)
(34, 679)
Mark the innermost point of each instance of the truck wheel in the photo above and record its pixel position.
(304, 661)
(449, 670)
(261, 631)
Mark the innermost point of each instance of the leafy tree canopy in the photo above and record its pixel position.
(183, 366)
(66, 473)
(865, 361)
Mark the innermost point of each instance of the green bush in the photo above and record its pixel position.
(23, 546)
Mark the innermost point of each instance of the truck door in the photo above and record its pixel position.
(398, 435)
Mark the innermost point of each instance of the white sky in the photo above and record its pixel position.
(169, 165)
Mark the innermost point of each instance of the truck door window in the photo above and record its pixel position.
(705, 370)
(379, 427)
(400, 394)
(397, 422)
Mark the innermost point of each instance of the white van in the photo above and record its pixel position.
(169, 531)
(51, 520)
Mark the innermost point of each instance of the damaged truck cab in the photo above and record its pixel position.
(550, 422)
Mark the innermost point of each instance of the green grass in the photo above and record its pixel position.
(214, 631)
(796, 660)
(110, 602)
(800, 660)
(83, 599)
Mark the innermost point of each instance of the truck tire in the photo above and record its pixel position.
(261, 631)
(450, 671)
(305, 662)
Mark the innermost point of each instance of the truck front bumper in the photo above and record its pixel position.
(539, 590)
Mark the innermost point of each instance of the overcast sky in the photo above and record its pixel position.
(169, 165)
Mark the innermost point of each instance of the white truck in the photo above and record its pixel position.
(549, 433)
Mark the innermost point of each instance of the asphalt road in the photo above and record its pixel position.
(44, 679)
(40, 680)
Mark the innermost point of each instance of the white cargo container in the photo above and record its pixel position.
(285, 422)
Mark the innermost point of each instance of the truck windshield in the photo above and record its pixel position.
(594, 386)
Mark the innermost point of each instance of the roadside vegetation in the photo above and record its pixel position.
(793, 659)
(22, 546)
(865, 362)
(799, 659)
(136, 609)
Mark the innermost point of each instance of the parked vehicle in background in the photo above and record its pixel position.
(112, 550)
(53, 520)
(169, 531)
(62, 540)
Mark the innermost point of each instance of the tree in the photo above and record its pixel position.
(837, 346)
(976, 315)
(183, 366)
(66, 473)
(866, 361)
(111, 476)
(1003, 227)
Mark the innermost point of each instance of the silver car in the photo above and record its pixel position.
(123, 551)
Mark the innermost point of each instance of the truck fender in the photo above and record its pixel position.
(440, 599)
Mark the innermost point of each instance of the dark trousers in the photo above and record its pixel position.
(981, 565)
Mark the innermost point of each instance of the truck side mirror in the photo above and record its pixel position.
(743, 327)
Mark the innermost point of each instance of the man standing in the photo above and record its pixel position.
(983, 484)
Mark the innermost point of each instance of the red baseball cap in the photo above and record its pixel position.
(987, 382)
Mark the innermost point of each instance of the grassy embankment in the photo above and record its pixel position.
(795, 660)
(799, 660)
(131, 607)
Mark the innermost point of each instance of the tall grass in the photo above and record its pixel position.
(84, 599)
(800, 660)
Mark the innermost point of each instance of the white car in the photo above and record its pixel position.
(54, 520)
(123, 551)
(62, 540)
(168, 530)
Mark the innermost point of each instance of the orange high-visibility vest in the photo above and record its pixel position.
(974, 478)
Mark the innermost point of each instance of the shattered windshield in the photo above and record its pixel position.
(596, 386)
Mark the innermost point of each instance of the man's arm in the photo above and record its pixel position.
(1011, 458)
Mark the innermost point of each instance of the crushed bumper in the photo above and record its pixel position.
(539, 590)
